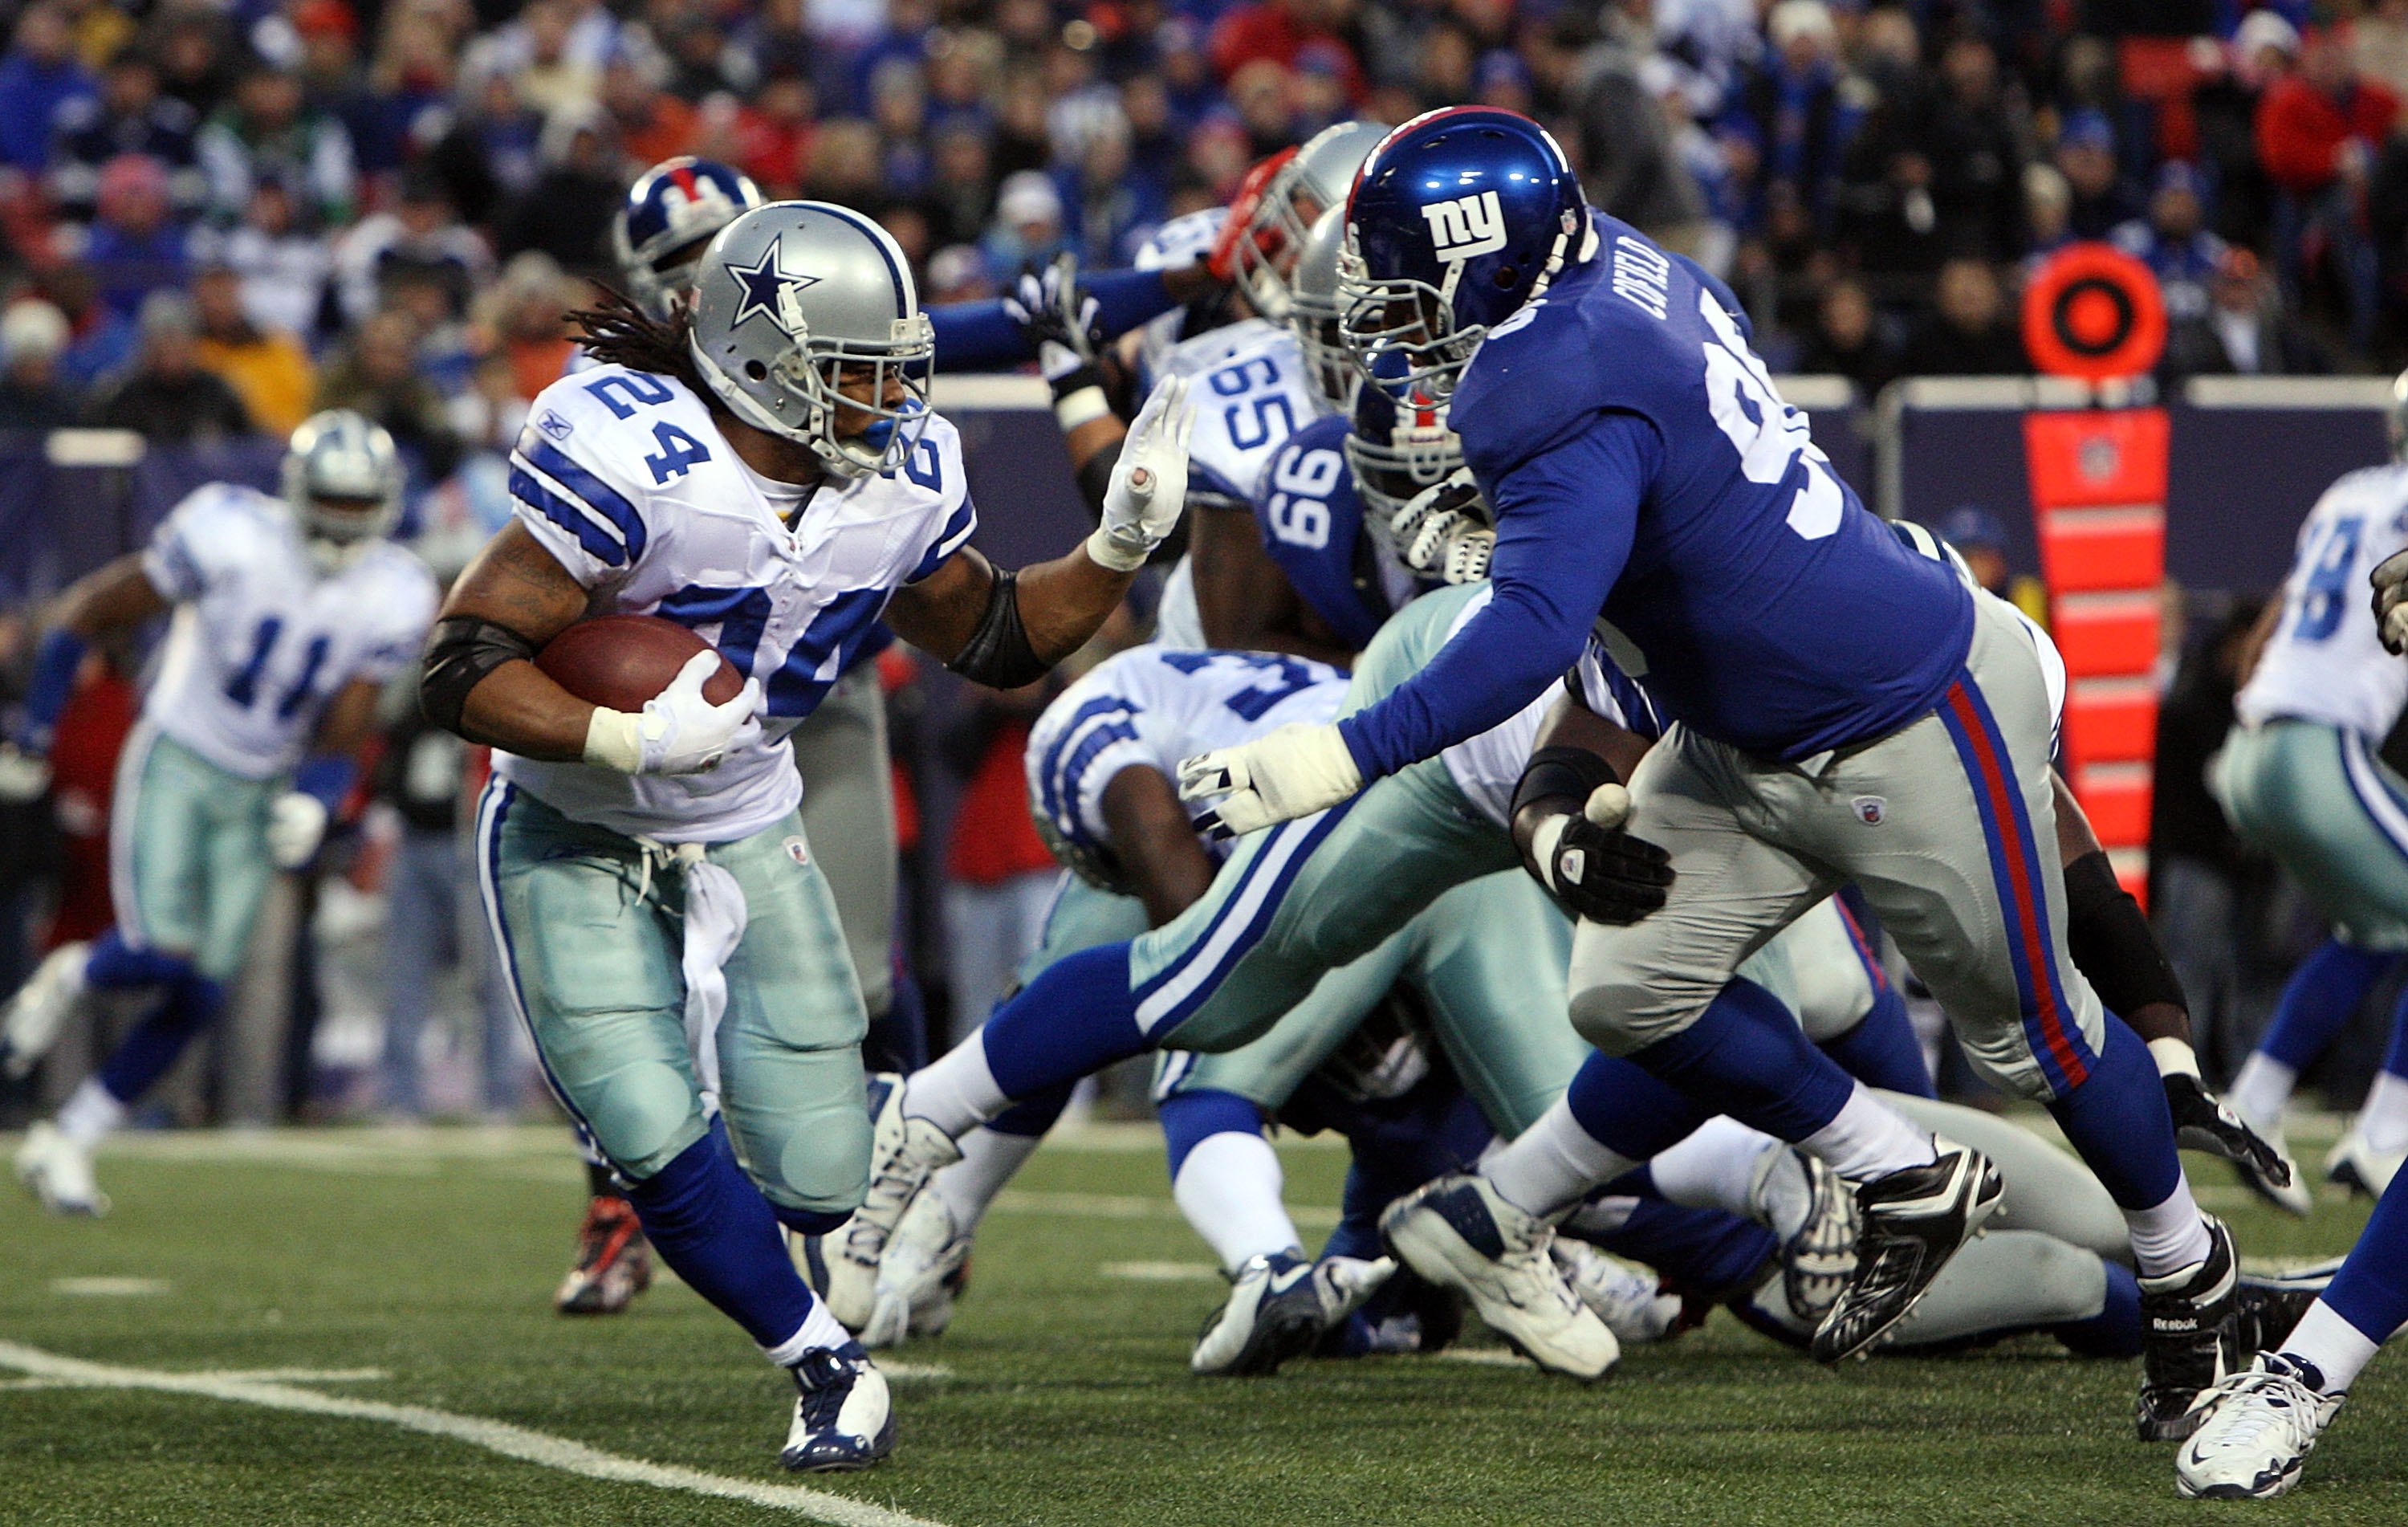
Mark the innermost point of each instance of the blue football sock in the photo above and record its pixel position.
(2395, 1058)
(715, 1231)
(2371, 1290)
(1882, 1050)
(1077, 1018)
(189, 1005)
(2117, 1122)
(1703, 1251)
(1189, 1119)
(116, 966)
(1030, 1117)
(2115, 1332)
(1746, 1056)
(1629, 1110)
(2319, 1000)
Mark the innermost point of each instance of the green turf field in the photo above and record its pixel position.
(362, 1283)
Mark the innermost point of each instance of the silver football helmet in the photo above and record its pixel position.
(668, 216)
(2394, 418)
(1396, 452)
(342, 478)
(1315, 315)
(1308, 186)
(797, 299)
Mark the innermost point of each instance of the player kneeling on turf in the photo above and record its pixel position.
(761, 468)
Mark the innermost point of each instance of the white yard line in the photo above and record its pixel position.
(1488, 1356)
(1161, 1271)
(519, 1442)
(110, 1288)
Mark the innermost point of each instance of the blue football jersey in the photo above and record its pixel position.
(1312, 525)
(1775, 612)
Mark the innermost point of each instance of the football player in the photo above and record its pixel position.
(762, 467)
(1614, 416)
(292, 613)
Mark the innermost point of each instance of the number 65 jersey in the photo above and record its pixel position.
(623, 477)
(2324, 660)
(261, 637)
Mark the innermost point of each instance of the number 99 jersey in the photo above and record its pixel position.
(1312, 524)
(2325, 661)
(623, 477)
(260, 640)
(1152, 707)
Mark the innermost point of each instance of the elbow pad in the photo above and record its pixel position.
(2111, 943)
(464, 650)
(998, 655)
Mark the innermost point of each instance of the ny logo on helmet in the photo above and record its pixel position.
(769, 289)
(1466, 226)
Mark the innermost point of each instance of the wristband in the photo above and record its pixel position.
(2174, 1057)
(1542, 848)
(1081, 405)
(1106, 551)
(615, 739)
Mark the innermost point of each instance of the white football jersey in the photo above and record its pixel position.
(1488, 768)
(2325, 661)
(623, 477)
(1182, 241)
(1152, 706)
(260, 638)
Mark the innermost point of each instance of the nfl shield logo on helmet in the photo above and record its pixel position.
(1870, 810)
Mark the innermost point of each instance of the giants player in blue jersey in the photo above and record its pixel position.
(1848, 711)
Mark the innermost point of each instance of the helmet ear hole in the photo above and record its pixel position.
(1507, 278)
(757, 371)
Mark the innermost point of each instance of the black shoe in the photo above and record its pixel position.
(2265, 1314)
(2189, 1339)
(1913, 1221)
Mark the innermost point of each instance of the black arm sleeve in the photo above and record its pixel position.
(462, 652)
(2111, 943)
(1096, 477)
(998, 653)
(1562, 771)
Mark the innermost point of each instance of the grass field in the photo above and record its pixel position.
(353, 1327)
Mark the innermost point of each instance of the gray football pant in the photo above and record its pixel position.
(849, 817)
(1946, 823)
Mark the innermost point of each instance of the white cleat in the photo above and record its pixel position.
(59, 1171)
(903, 1155)
(2261, 1425)
(2293, 1197)
(924, 1270)
(844, 1419)
(1279, 1305)
(30, 1025)
(2357, 1165)
(1632, 1302)
(1458, 1233)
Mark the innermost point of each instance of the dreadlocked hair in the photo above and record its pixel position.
(617, 332)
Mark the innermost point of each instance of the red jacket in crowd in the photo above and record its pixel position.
(2301, 129)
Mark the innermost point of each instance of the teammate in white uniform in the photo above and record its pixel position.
(290, 615)
(762, 468)
(2302, 778)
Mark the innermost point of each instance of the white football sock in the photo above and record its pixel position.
(2262, 1089)
(2171, 1236)
(2383, 1121)
(1229, 1188)
(989, 1158)
(1870, 1139)
(1553, 1164)
(955, 1092)
(2339, 1350)
(1713, 1167)
(818, 1329)
(90, 1114)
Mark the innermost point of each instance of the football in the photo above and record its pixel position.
(624, 661)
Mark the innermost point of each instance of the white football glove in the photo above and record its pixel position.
(1293, 772)
(1149, 484)
(2390, 580)
(296, 824)
(1438, 533)
(678, 732)
(24, 776)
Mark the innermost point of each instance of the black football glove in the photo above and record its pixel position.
(1607, 876)
(2202, 1122)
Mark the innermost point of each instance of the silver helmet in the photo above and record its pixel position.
(342, 478)
(669, 213)
(791, 300)
(1316, 316)
(2394, 418)
(1396, 452)
(1308, 186)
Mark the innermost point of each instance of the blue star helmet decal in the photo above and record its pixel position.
(766, 286)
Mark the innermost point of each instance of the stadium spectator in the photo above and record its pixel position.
(1847, 339)
(166, 396)
(2248, 329)
(1970, 332)
(38, 76)
(129, 115)
(195, 60)
(553, 49)
(1028, 227)
(135, 247)
(420, 234)
(33, 393)
(2318, 131)
(283, 269)
(1276, 31)
(2048, 211)
(268, 128)
(100, 341)
(418, 774)
(998, 876)
(566, 212)
(1628, 162)
(378, 374)
(2173, 240)
(526, 313)
(2085, 156)
(2379, 45)
(1791, 109)
(267, 368)
(651, 124)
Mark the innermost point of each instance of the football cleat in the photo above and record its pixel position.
(2267, 1309)
(844, 1417)
(1913, 1221)
(904, 1153)
(614, 1261)
(926, 1268)
(1272, 1314)
(1632, 1302)
(2357, 1165)
(2188, 1326)
(30, 1025)
(2257, 1430)
(1820, 1256)
(59, 1171)
(1458, 1233)
(2292, 1197)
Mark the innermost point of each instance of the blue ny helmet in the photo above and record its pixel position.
(1459, 218)
(672, 210)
